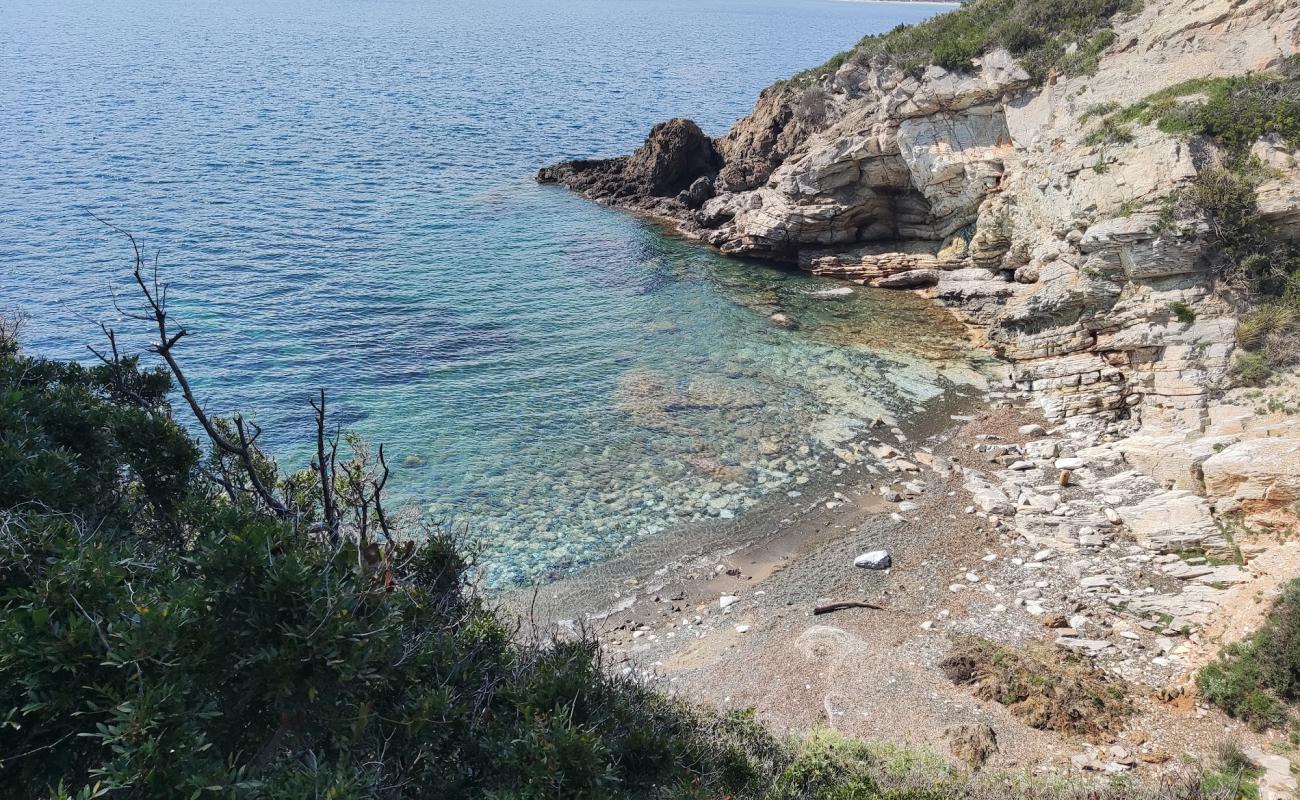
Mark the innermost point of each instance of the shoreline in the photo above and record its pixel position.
(1137, 521)
(724, 616)
(595, 589)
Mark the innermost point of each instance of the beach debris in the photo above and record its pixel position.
(840, 606)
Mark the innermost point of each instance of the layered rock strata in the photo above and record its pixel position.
(984, 191)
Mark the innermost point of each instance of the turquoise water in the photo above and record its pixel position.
(340, 195)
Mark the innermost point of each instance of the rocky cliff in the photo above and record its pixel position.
(995, 193)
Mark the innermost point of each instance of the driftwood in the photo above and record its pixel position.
(831, 607)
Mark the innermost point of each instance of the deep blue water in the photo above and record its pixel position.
(340, 194)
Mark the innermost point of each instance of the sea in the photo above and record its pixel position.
(339, 194)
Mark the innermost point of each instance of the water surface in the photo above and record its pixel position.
(340, 194)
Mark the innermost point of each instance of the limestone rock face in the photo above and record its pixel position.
(1279, 197)
(984, 191)
(1172, 522)
(1255, 472)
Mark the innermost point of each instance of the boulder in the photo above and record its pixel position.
(1174, 521)
(1254, 473)
(675, 156)
(910, 279)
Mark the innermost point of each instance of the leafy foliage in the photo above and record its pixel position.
(1255, 678)
(1046, 35)
(159, 639)
(1182, 312)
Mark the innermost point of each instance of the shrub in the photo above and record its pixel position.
(1267, 322)
(1182, 312)
(1038, 32)
(1255, 678)
(161, 637)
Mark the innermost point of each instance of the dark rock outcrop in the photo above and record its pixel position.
(669, 174)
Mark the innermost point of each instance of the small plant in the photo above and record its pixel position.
(1182, 312)
(1269, 322)
(1252, 369)
(1109, 132)
(1099, 110)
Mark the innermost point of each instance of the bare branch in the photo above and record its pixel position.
(325, 469)
(156, 297)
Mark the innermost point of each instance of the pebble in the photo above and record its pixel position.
(727, 600)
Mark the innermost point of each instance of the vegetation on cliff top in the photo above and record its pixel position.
(1045, 35)
(1235, 113)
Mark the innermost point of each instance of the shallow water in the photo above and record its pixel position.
(340, 194)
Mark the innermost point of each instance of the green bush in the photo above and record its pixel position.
(1256, 678)
(1038, 32)
(1182, 312)
(160, 637)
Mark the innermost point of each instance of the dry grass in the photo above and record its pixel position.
(1042, 687)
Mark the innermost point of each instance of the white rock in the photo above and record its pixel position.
(874, 559)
